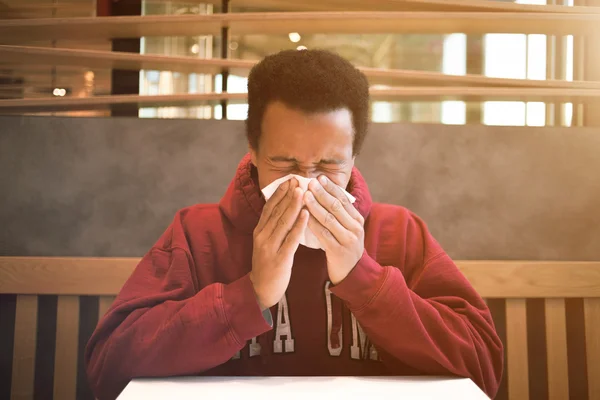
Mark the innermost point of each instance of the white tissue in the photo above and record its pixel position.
(309, 239)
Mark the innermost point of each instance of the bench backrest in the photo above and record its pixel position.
(559, 299)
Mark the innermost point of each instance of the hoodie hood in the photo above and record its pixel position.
(243, 201)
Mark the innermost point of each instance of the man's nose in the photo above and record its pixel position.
(308, 174)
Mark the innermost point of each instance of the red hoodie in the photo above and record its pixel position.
(189, 307)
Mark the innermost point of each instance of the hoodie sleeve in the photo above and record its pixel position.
(423, 313)
(162, 323)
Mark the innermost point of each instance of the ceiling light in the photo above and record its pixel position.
(295, 37)
(58, 92)
(195, 49)
(301, 48)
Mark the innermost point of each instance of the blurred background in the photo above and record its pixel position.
(520, 56)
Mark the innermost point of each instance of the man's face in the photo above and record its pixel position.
(310, 145)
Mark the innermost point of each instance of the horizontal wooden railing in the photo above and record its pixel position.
(403, 5)
(20, 56)
(340, 5)
(22, 30)
(327, 16)
(410, 93)
(492, 279)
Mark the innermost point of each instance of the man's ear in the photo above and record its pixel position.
(253, 155)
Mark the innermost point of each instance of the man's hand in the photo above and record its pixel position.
(276, 239)
(337, 224)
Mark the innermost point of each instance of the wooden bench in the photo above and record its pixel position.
(509, 288)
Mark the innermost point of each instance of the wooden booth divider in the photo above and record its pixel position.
(513, 283)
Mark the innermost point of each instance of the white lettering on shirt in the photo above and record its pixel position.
(254, 348)
(283, 328)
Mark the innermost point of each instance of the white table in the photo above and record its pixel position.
(296, 388)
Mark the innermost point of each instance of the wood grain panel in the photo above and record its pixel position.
(375, 5)
(396, 5)
(533, 279)
(64, 276)
(415, 93)
(104, 303)
(411, 23)
(592, 341)
(392, 77)
(19, 30)
(67, 336)
(478, 5)
(556, 349)
(36, 56)
(484, 94)
(492, 279)
(39, 56)
(23, 367)
(404, 5)
(104, 102)
(516, 348)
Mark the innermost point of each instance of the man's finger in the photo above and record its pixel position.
(338, 193)
(292, 240)
(333, 206)
(278, 210)
(271, 204)
(326, 219)
(322, 233)
(280, 227)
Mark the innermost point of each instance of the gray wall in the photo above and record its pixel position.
(109, 187)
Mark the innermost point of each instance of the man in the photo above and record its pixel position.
(228, 290)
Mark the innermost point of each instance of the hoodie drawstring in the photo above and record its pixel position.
(337, 306)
